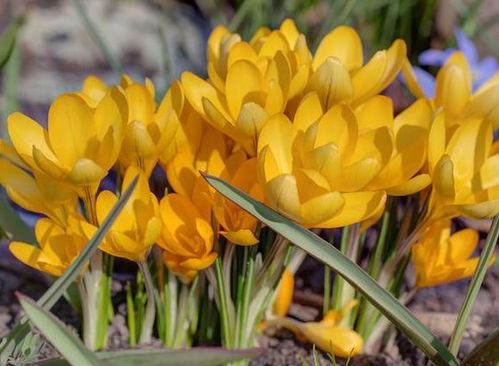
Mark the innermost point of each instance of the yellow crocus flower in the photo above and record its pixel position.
(81, 143)
(237, 225)
(334, 168)
(463, 164)
(138, 225)
(339, 73)
(187, 237)
(326, 334)
(59, 247)
(440, 257)
(453, 92)
(37, 192)
(150, 129)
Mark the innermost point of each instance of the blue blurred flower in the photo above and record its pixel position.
(481, 70)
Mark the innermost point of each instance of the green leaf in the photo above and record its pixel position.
(476, 283)
(56, 333)
(355, 275)
(486, 353)
(199, 356)
(58, 288)
(8, 40)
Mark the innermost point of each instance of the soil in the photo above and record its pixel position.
(436, 307)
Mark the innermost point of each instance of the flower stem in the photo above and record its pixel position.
(476, 283)
(339, 282)
(223, 306)
(241, 339)
(132, 330)
(148, 322)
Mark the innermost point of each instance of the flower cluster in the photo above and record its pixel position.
(308, 133)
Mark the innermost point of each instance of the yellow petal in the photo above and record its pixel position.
(308, 112)
(70, 128)
(26, 133)
(140, 103)
(411, 186)
(46, 165)
(443, 178)
(452, 91)
(332, 82)
(484, 105)
(344, 44)
(282, 194)
(462, 244)
(196, 89)
(359, 206)
(343, 342)
(375, 112)
(26, 253)
(86, 172)
(243, 78)
(321, 208)
(437, 140)
(251, 119)
(94, 88)
(241, 237)
(278, 133)
(484, 210)
(411, 80)
(290, 32)
(284, 295)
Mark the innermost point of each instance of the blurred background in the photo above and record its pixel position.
(61, 41)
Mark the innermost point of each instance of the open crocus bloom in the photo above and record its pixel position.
(81, 143)
(38, 193)
(138, 225)
(334, 168)
(237, 225)
(59, 246)
(187, 237)
(463, 163)
(441, 257)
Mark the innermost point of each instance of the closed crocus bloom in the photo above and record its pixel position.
(150, 129)
(463, 164)
(187, 237)
(81, 143)
(284, 295)
(237, 225)
(58, 247)
(138, 225)
(37, 192)
(339, 74)
(441, 257)
(453, 92)
(224, 48)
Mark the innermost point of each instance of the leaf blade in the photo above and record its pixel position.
(356, 276)
(57, 334)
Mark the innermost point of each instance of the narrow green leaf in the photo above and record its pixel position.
(58, 288)
(8, 39)
(356, 276)
(200, 356)
(56, 333)
(486, 353)
(476, 283)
